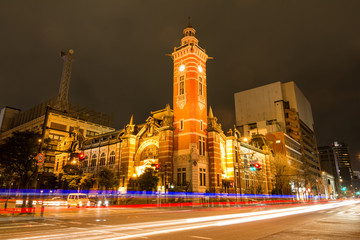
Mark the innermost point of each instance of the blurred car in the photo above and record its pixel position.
(99, 201)
(78, 200)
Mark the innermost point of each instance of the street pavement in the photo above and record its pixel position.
(333, 220)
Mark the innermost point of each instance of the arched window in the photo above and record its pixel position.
(93, 160)
(102, 159)
(112, 158)
(86, 161)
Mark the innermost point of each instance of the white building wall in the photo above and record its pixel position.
(257, 104)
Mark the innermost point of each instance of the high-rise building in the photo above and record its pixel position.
(342, 157)
(335, 159)
(281, 107)
(329, 164)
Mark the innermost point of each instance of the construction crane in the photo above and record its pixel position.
(63, 97)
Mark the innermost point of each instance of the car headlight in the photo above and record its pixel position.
(99, 203)
(106, 202)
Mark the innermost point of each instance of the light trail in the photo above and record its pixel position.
(137, 230)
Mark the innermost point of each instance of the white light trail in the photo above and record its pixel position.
(128, 231)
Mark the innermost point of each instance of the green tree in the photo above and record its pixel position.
(70, 177)
(148, 180)
(107, 179)
(87, 181)
(18, 153)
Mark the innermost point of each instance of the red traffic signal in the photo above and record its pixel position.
(81, 156)
(157, 166)
(231, 184)
(257, 166)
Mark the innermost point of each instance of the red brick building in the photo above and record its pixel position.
(187, 142)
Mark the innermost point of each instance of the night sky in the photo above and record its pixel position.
(121, 66)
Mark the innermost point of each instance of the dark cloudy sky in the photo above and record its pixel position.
(121, 67)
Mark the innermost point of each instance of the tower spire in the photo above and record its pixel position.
(211, 115)
(189, 25)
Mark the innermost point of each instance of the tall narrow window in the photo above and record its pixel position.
(102, 159)
(93, 160)
(181, 176)
(218, 179)
(112, 158)
(204, 176)
(200, 86)
(181, 127)
(236, 155)
(202, 146)
(182, 86)
(201, 125)
(184, 178)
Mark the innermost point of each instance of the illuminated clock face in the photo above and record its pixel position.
(182, 67)
(200, 68)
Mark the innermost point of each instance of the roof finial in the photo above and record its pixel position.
(189, 25)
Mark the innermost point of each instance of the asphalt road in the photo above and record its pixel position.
(334, 220)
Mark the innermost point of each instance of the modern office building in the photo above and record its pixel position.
(281, 107)
(329, 164)
(335, 159)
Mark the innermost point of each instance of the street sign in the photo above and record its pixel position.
(40, 163)
(40, 157)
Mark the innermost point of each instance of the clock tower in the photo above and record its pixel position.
(190, 113)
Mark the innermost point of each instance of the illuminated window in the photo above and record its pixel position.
(182, 85)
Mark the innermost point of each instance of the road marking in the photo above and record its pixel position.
(340, 212)
(200, 237)
(330, 211)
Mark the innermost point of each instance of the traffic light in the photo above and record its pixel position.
(157, 166)
(255, 167)
(343, 188)
(231, 184)
(252, 167)
(81, 156)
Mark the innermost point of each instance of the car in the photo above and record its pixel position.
(78, 200)
(99, 201)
